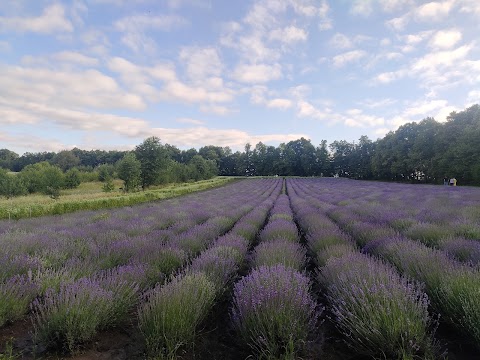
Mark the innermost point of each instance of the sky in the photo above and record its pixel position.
(106, 74)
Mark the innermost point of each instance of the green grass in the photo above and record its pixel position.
(89, 196)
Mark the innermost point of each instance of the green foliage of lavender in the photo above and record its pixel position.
(334, 251)
(72, 316)
(219, 264)
(274, 312)
(429, 234)
(280, 229)
(281, 251)
(380, 313)
(171, 314)
(15, 296)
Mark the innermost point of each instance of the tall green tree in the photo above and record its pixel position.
(42, 177)
(7, 159)
(129, 170)
(11, 185)
(65, 160)
(152, 156)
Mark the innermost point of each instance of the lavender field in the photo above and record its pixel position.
(316, 268)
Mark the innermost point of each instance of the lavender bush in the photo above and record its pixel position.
(72, 316)
(379, 312)
(281, 251)
(280, 229)
(334, 251)
(274, 312)
(171, 314)
(219, 264)
(15, 296)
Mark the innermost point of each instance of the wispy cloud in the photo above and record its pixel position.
(52, 20)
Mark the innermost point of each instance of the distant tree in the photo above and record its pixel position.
(342, 157)
(105, 171)
(37, 177)
(201, 169)
(129, 170)
(152, 157)
(30, 159)
(187, 155)
(11, 185)
(72, 178)
(7, 159)
(322, 160)
(65, 160)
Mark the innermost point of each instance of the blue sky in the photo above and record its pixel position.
(106, 74)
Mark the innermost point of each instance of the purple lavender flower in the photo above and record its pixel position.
(273, 310)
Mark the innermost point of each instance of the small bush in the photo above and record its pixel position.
(379, 312)
(171, 314)
(283, 252)
(72, 316)
(15, 296)
(274, 312)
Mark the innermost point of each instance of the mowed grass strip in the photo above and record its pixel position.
(89, 196)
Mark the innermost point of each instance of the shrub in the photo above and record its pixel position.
(274, 312)
(15, 296)
(283, 252)
(379, 312)
(171, 314)
(72, 316)
(280, 229)
(72, 178)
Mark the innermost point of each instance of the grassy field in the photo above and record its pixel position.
(89, 196)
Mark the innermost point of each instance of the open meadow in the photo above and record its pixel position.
(264, 268)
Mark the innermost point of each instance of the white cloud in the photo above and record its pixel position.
(288, 35)
(257, 73)
(66, 88)
(234, 138)
(393, 5)
(470, 7)
(445, 39)
(418, 110)
(438, 69)
(32, 112)
(75, 57)
(33, 143)
(473, 97)
(436, 60)
(348, 57)
(52, 20)
(434, 11)
(362, 7)
(386, 77)
(216, 109)
(135, 27)
(201, 63)
(340, 41)
(143, 80)
(190, 121)
(282, 104)
(367, 7)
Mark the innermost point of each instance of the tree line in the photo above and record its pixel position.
(149, 164)
(426, 151)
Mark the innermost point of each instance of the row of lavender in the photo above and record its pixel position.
(375, 215)
(274, 311)
(85, 272)
(379, 312)
(171, 313)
